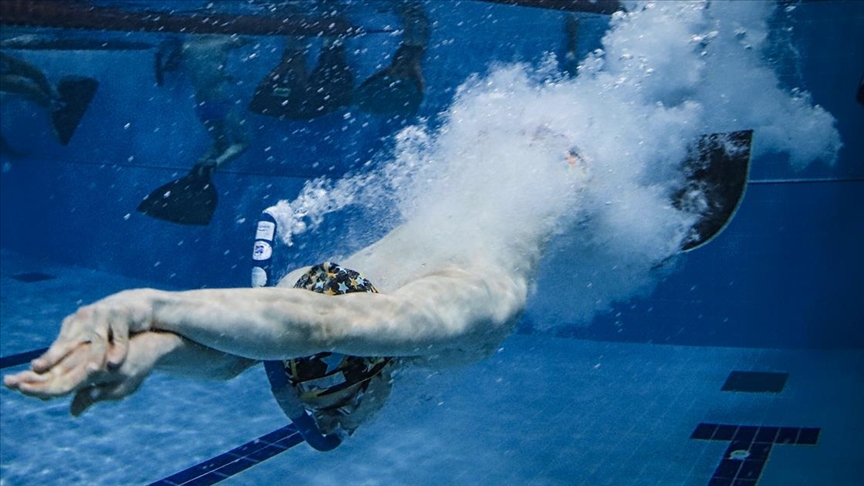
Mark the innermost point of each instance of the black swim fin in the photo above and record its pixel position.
(190, 200)
(75, 92)
(287, 91)
(384, 94)
(717, 171)
(395, 90)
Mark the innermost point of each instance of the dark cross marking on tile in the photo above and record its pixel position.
(749, 448)
(755, 382)
(31, 277)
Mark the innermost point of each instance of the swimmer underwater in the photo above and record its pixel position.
(334, 335)
(433, 308)
(334, 338)
(448, 314)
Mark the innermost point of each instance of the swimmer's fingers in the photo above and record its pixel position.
(118, 383)
(71, 374)
(106, 326)
(33, 384)
(86, 326)
(119, 344)
(59, 349)
(111, 330)
(15, 381)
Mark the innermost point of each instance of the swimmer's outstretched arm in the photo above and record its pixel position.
(449, 310)
(148, 351)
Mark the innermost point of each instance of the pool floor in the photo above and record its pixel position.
(541, 411)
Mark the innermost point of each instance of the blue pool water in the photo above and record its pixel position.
(617, 365)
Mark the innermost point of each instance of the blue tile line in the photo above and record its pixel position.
(20, 358)
(236, 460)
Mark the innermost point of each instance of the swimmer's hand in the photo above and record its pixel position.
(103, 329)
(72, 376)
